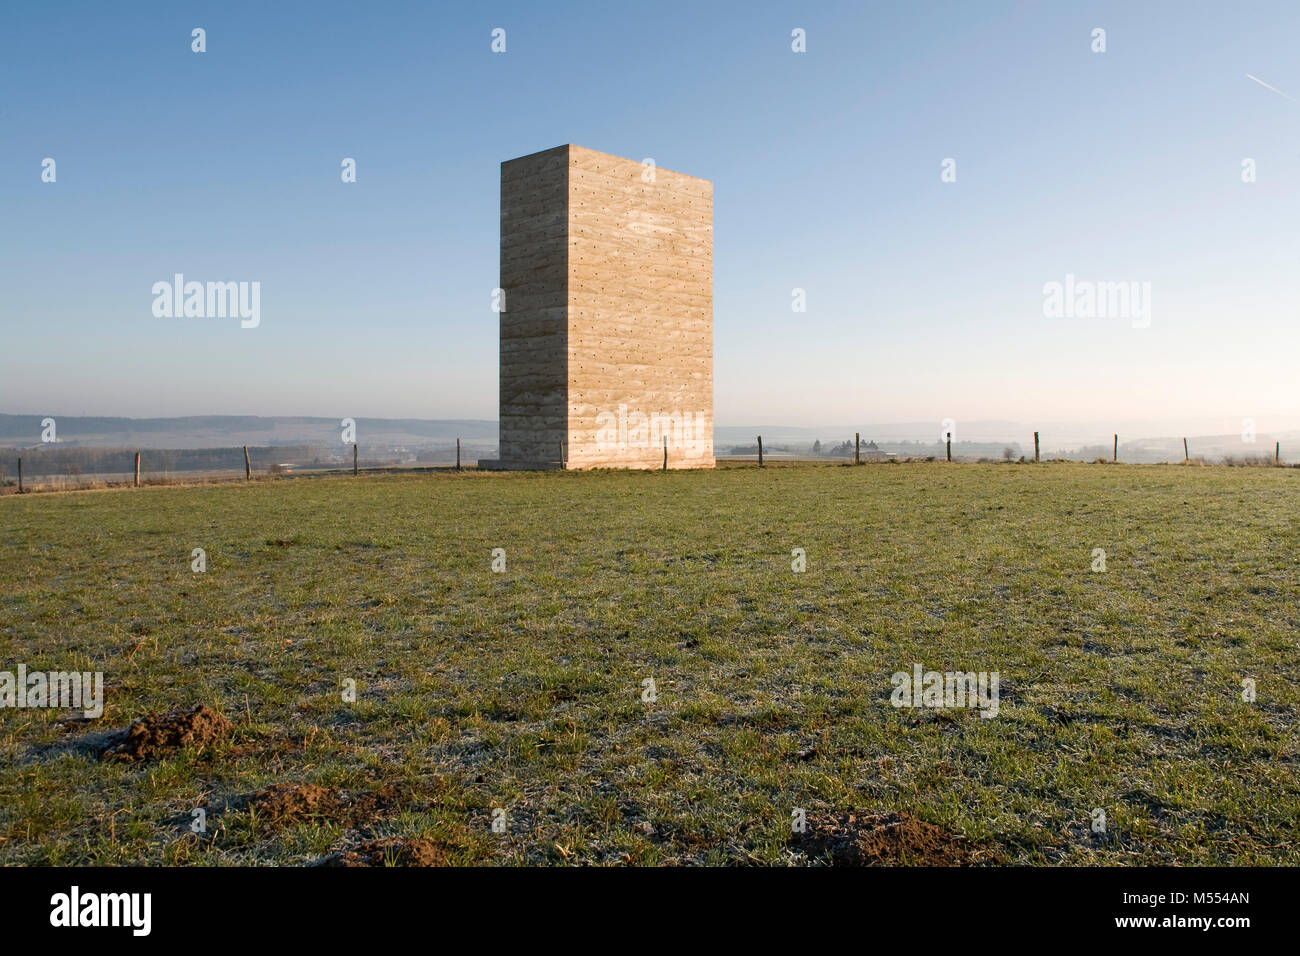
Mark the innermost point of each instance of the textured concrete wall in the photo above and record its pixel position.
(534, 264)
(607, 337)
(640, 314)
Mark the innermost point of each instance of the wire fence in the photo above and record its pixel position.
(65, 468)
(56, 467)
(1262, 450)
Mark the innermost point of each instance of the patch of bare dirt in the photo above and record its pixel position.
(390, 851)
(159, 735)
(880, 839)
(288, 802)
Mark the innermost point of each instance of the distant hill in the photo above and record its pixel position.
(220, 431)
(413, 436)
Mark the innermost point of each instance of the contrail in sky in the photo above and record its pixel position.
(1267, 87)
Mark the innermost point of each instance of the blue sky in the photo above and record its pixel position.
(924, 298)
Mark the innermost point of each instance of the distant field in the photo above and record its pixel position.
(1120, 691)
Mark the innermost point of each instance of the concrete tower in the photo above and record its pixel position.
(607, 318)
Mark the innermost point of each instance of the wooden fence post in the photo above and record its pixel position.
(1186, 457)
(1035, 446)
(355, 469)
(1115, 456)
(20, 476)
(949, 437)
(137, 469)
(857, 448)
(458, 454)
(665, 453)
(760, 451)
(248, 466)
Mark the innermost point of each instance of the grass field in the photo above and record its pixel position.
(522, 690)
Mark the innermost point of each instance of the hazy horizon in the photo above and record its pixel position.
(925, 299)
(307, 428)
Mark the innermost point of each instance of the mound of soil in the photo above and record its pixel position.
(879, 839)
(158, 735)
(287, 802)
(291, 801)
(390, 851)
